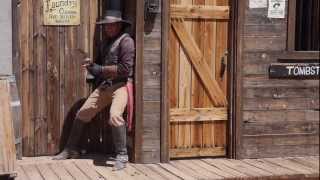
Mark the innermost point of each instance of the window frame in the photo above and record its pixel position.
(291, 52)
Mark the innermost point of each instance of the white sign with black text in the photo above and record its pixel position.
(276, 8)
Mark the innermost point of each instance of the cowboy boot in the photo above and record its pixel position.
(71, 150)
(119, 136)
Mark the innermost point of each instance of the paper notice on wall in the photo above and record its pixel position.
(61, 12)
(258, 3)
(276, 8)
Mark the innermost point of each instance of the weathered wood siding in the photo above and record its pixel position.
(50, 72)
(5, 38)
(150, 151)
(279, 117)
(52, 80)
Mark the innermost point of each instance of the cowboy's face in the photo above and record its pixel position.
(112, 29)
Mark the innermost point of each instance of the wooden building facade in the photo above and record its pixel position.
(202, 85)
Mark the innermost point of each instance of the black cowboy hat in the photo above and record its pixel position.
(113, 16)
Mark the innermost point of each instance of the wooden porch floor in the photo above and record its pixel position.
(42, 168)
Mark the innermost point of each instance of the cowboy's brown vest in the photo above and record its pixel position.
(112, 51)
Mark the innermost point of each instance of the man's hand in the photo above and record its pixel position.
(116, 121)
(95, 69)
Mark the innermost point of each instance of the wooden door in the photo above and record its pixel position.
(198, 77)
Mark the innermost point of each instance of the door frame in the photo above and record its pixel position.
(234, 81)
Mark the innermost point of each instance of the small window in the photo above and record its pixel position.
(303, 26)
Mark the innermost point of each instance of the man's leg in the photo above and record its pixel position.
(119, 135)
(97, 100)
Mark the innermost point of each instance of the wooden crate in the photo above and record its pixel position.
(16, 115)
(7, 145)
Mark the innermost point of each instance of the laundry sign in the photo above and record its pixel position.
(61, 12)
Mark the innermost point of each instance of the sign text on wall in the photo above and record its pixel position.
(295, 70)
(61, 12)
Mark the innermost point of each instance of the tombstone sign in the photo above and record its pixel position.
(61, 12)
(294, 70)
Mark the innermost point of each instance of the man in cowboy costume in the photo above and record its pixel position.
(113, 69)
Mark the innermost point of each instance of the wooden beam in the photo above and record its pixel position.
(232, 47)
(197, 152)
(291, 25)
(191, 49)
(199, 11)
(165, 125)
(139, 82)
(198, 115)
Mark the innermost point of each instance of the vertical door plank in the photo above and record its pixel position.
(199, 37)
(62, 58)
(210, 48)
(174, 67)
(39, 54)
(83, 45)
(53, 56)
(26, 43)
(185, 89)
(220, 133)
(198, 92)
(208, 54)
(221, 48)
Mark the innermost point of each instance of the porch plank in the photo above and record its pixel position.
(315, 160)
(199, 170)
(212, 169)
(247, 168)
(236, 167)
(148, 172)
(268, 168)
(134, 173)
(21, 174)
(32, 172)
(190, 171)
(290, 165)
(74, 171)
(305, 162)
(225, 168)
(274, 169)
(59, 170)
(106, 173)
(177, 172)
(46, 172)
(88, 170)
(163, 172)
